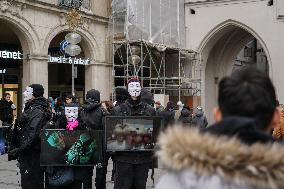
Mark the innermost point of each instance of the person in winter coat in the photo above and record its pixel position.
(92, 118)
(199, 120)
(159, 107)
(6, 109)
(121, 96)
(168, 114)
(180, 106)
(68, 121)
(132, 167)
(147, 97)
(185, 116)
(58, 110)
(32, 120)
(237, 151)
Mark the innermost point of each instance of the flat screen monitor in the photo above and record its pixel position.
(133, 133)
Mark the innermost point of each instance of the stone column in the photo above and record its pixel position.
(35, 70)
(98, 76)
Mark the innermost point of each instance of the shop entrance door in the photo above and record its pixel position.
(14, 97)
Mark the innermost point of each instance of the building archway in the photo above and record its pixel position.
(219, 53)
(88, 43)
(60, 69)
(15, 46)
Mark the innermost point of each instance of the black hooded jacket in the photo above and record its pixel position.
(6, 112)
(185, 116)
(91, 116)
(243, 128)
(168, 116)
(134, 108)
(33, 119)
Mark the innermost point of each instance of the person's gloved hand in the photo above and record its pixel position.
(14, 152)
(13, 106)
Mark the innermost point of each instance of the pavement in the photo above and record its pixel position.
(10, 176)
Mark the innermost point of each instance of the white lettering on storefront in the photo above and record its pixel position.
(11, 55)
(69, 60)
(2, 71)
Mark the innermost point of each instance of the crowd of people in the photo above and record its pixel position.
(181, 114)
(238, 151)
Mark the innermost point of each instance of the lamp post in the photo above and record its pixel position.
(73, 50)
(74, 19)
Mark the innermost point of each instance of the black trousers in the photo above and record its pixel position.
(31, 172)
(131, 176)
(73, 185)
(82, 179)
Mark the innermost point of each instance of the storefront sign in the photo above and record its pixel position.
(63, 45)
(69, 60)
(2, 71)
(11, 55)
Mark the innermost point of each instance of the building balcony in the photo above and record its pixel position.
(83, 5)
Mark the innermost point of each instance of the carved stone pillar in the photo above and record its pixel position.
(35, 70)
(98, 76)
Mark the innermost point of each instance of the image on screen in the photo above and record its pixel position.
(132, 133)
(72, 148)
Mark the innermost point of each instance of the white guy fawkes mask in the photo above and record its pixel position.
(71, 113)
(134, 89)
(28, 94)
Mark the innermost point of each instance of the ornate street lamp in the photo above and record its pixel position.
(73, 49)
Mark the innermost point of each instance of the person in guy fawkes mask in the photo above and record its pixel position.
(92, 118)
(34, 117)
(132, 167)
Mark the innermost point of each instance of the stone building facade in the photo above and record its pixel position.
(35, 23)
(219, 29)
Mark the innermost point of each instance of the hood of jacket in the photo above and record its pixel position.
(37, 102)
(185, 112)
(199, 113)
(258, 165)
(91, 106)
(243, 128)
(147, 97)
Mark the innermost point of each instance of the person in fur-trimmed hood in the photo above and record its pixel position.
(237, 151)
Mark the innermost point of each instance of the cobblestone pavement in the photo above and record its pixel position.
(10, 176)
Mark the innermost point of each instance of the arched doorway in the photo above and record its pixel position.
(12, 47)
(229, 47)
(60, 70)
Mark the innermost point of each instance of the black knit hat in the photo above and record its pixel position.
(38, 90)
(121, 94)
(147, 97)
(94, 95)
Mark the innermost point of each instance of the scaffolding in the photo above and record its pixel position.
(148, 41)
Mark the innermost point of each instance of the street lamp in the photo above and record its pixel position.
(73, 50)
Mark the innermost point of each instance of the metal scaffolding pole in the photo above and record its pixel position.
(155, 58)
